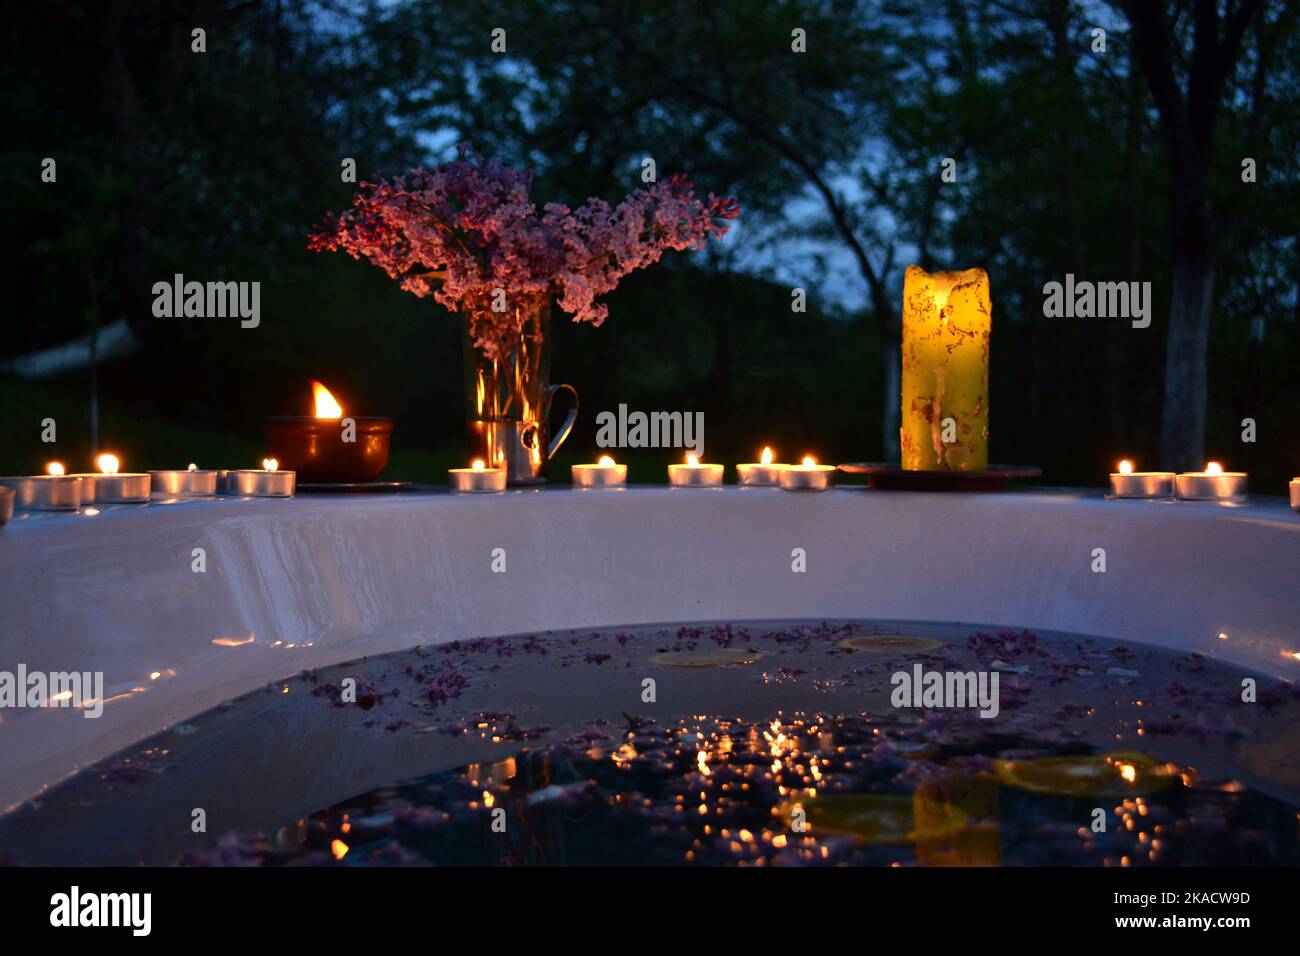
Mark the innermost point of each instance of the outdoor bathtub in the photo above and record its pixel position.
(304, 583)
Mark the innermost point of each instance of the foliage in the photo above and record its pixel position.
(214, 165)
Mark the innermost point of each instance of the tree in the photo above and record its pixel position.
(1189, 106)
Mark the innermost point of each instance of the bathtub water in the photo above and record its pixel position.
(758, 743)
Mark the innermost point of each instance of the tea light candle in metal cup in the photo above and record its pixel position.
(477, 478)
(693, 474)
(119, 487)
(604, 474)
(269, 482)
(193, 482)
(87, 481)
(1212, 484)
(7, 496)
(45, 492)
(1127, 483)
(764, 472)
(807, 476)
(1295, 493)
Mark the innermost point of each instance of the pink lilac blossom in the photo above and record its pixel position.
(465, 229)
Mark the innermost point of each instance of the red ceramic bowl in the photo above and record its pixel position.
(315, 449)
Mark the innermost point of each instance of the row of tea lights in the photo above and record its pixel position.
(1212, 484)
(57, 490)
(692, 473)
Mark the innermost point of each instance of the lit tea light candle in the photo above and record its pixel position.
(191, 483)
(1295, 493)
(87, 480)
(477, 478)
(1212, 484)
(807, 476)
(693, 474)
(113, 486)
(762, 472)
(1127, 483)
(51, 492)
(269, 482)
(604, 474)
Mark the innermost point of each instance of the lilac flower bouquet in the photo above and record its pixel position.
(468, 233)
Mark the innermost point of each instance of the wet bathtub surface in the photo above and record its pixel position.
(742, 730)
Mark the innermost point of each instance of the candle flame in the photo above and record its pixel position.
(108, 464)
(809, 461)
(54, 468)
(191, 467)
(478, 464)
(1126, 467)
(766, 457)
(1213, 468)
(606, 461)
(326, 406)
(692, 460)
(270, 464)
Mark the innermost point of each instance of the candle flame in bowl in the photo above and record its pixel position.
(191, 467)
(766, 457)
(808, 462)
(606, 461)
(54, 468)
(270, 464)
(478, 464)
(326, 406)
(108, 464)
(1213, 468)
(693, 460)
(1126, 467)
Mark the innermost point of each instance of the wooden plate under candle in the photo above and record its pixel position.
(894, 478)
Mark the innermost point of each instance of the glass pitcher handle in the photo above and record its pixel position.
(569, 419)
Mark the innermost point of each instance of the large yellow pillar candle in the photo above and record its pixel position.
(947, 318)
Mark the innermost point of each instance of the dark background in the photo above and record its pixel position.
(1115, 165)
